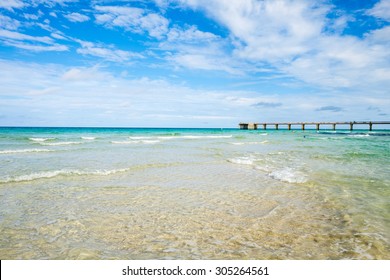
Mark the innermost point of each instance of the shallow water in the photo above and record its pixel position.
(193, 194)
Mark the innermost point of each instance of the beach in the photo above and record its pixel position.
(134, 193)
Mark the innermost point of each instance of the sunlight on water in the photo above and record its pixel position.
(193, 194)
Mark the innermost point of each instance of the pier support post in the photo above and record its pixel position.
(334, 126)
(277, 126)
(317, 126)
(303, 126)
(264, 126)
(370, 126)
(351, 126)
(289, 126)
(243, 126)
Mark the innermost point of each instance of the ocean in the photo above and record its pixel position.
(144, 193)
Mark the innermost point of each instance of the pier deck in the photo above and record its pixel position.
(276, 125)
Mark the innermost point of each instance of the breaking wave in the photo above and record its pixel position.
(65, 143)
(40, 139)
(242, 160)
(24, 151)
(174, 137)
(62, 172)
(287, 174)
(136, 142)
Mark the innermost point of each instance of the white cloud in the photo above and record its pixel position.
(203, 62)
(84, 74)
(58, 35)
(9, 23)
(81, 95)
(189, 35)
(51, 3)
(156, 25)
(381, 10)
(290, 36)
(191, 48)
(44, 91)
(132, 19)
(19, 36)
(76, 17)
(32, 43)
(11, 4)
(38, 48)
(107, 53)
(34, 16)
(268, 30)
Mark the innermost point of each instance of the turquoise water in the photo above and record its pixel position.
(110, 193)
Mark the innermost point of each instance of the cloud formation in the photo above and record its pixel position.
(191, 61)
(107, 53)
(132, 19)
(267, 104)
(330, 109)
(76, 17)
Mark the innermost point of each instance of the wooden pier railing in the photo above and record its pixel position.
(276, 125)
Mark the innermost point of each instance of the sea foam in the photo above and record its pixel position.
(136, 142)
(24, 151)
(40, 139)
(65, 143)
(249, 143)
(288, 175)
(242, 160)
(174, 137)
(54, 173)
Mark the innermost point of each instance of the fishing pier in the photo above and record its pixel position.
(302, 125)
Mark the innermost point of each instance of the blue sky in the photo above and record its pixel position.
(193, 63)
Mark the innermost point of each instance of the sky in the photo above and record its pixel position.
(193, 63)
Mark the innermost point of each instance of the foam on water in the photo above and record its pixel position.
(206, 136)
(24, 151)
(242, 160)
(88, 138)
(136, 142)
(289, 175)
(249, 143)
(54, 173)
(64, 143)
(40, 139)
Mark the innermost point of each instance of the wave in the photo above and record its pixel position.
(136, 142)
(359, 135)
(24, 151)
(171, 137)
(353, 134)
(242, 160)
(379, 134)
(205, 136)
(288, 175)
(40, 139)
(249, 143)
(65, 143)
(62, 172)
(88, 138)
